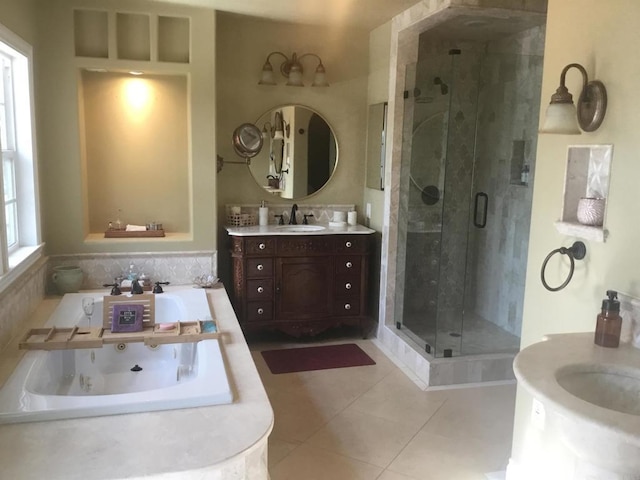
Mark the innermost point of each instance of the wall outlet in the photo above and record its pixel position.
(367, 211)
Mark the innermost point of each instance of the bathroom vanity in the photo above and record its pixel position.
(301, 279)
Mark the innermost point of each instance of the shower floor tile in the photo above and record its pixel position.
(477, 336)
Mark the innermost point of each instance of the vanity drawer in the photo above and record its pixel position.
(351, 243)
(346, 307)
(347, 285)
(348, 264)
(260, 289)
(259, 311)
(260, 246)
(296, 246)
(259, 267)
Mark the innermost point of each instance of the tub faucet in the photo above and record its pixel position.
(116, 287)
(292, 217)
(136, 288)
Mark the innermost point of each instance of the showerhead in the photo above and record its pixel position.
(444, 88)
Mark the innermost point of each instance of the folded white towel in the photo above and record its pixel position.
(136, 228)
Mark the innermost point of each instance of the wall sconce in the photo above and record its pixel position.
(292, 69)
(561, 114)
(278, 130)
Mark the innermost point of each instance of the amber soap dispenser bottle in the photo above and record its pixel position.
(609, 322)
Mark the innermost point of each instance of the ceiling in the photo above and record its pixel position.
(367, 14)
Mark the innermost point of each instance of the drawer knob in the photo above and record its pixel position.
(260, 289)
(260, 267)
(260, 311)
(348, 244)
(348, 264)
(347, 286)
(347, 306)
(262, 246)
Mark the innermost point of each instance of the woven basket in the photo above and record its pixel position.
(241, 219)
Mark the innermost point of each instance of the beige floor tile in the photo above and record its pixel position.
(484, 413)
(389, 475)
(308, 463)
(397, 398)
(279, 449)
(299, 414)
(364, 437)
(435, 457)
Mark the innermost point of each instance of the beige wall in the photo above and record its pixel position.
(243, 44)
(64, 221)
(601, 38)
(19, 16)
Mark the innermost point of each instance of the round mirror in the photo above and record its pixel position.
(300, 152)
(247, 140)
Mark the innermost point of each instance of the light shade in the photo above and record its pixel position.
(320, 78)
(561, 118)
(295, 77)
(266, 77)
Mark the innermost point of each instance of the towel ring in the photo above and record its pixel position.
(576, 252)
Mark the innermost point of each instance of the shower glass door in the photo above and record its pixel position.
(469, 130)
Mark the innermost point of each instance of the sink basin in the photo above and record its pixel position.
(612, 387)
(300, 228)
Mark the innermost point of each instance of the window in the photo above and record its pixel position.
(20, 234)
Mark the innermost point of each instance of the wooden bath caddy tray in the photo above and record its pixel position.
(69, 338)
(133, 234)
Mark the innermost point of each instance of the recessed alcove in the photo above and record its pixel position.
(135, 147)
(587, 175)
(91, 33)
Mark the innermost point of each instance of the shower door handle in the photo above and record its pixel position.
(483, 222)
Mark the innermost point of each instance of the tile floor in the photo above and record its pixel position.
(373, 422)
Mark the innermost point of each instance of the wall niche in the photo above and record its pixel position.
(135, 147)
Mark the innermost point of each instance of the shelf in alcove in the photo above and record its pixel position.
(94, 238)
(586, 232)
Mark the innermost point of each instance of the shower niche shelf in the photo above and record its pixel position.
(587, 175)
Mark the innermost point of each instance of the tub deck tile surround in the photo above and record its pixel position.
(219, 442)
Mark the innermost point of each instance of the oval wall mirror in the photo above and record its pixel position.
(300, 152)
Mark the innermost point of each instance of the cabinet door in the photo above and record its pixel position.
(303, 287)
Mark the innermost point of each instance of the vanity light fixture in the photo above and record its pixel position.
(291, 68)
(136, 72)
(278, 130)
(562, 117)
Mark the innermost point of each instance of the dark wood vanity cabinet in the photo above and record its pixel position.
(300, 285)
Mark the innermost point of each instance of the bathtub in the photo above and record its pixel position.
(119, 378)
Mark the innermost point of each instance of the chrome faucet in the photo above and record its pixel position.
(292, 217)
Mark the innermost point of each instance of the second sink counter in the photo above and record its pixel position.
(279, 230)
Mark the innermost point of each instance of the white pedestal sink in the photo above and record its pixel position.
(591, 399)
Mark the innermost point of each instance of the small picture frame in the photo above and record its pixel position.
(127, 318)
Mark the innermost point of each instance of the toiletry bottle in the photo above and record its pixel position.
(263, 214)
(609, 322)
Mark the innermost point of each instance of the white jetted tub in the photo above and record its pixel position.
(119, 378)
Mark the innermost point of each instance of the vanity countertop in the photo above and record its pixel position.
(192, 443)
(326, 229)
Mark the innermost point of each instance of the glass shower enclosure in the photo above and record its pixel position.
(470, 126)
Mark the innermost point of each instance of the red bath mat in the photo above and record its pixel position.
(290, 360)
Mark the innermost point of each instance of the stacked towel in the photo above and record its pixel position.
(136, 228)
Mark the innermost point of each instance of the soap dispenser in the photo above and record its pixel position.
(609, 322)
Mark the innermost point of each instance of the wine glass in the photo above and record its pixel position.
(87, 306)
